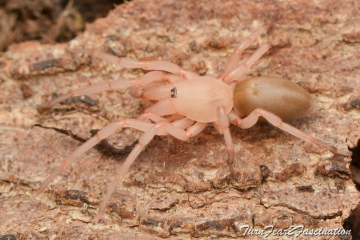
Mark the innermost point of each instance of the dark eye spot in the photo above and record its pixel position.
(173, 92)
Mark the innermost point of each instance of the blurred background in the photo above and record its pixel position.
(48, 21)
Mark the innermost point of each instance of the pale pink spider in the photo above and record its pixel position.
(192, 101)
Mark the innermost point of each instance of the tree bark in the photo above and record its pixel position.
(180, 189)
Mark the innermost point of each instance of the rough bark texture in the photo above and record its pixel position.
(180, 189)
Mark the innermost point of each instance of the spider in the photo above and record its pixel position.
(187, 102)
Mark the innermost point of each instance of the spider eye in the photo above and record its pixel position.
(173, 92)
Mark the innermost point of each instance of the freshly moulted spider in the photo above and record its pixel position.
(187, 102)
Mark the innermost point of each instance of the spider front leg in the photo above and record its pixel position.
(147, 65)
(141, 82)
(253, 117)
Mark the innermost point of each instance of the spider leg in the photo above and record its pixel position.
(234, 118)
(142, 81)
(185, 123)
(147, 65)
(143, 141)
(253, 117)
(216, 125)
(182, 134)
(100, 135)
(181, 123)
(238, 74)
(235, 56)
(223, 124)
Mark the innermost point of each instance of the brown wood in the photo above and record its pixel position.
(182, 189)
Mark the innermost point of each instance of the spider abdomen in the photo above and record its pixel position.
(277, 95)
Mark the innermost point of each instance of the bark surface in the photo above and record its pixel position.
(177, 189)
